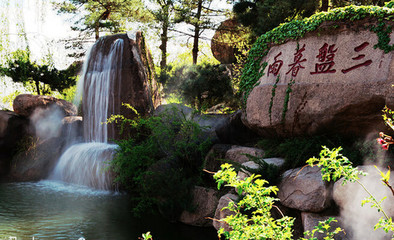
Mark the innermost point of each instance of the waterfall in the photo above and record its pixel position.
(87, 163)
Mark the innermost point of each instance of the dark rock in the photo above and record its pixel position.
(233, 131)
(13, 128)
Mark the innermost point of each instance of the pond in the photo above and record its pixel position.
(55, 210)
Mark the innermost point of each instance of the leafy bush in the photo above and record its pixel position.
(160, 164)
(201, 86)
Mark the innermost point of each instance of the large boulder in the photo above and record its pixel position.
(331, 80)
(13, 128)
(222, 44)
(304, 189)
(349, 197)
(26, 104)
(205, 200)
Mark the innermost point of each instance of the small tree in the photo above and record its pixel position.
(45, 77)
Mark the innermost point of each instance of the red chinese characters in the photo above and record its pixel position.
(296, 65)
(359, 57)
(276, 66)
(326, 59)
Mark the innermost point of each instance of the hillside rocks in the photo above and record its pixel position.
(328, 81)
(25, 104)
(304, 189)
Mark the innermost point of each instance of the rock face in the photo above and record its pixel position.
(26, 104)
(13, 128)
(206, 202)
(119, 70)
(220, 214)
(37, 160)
(349, 196)
(304, 189)
(334, 81)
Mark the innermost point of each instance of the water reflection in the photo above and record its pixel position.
(55, 210)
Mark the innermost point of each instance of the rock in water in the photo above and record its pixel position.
(331, 80)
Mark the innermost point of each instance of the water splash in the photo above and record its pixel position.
(86, 164)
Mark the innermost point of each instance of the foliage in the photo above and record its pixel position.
(161, 162)
(296, 29)
(389, 4)
(146, 236)
(22, 69)
(334, 166)
(107, 15)
(252, 218)
(201, 86)
(263, 16)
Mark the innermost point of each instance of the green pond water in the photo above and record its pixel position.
(55, 210)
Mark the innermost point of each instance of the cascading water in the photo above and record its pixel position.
(87, 163)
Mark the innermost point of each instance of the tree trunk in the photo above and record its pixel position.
(324, 5)
(164, 39)
(37, 86)
(97, 29)
(197, 32)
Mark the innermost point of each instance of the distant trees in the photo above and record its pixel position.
(45, 77)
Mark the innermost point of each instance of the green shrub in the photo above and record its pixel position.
(201, 86)
(161, 162)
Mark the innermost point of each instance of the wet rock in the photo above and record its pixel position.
(205, 200)
(304, 189)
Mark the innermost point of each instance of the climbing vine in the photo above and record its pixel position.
(287, 98)
(296, 29)
(272, 96)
